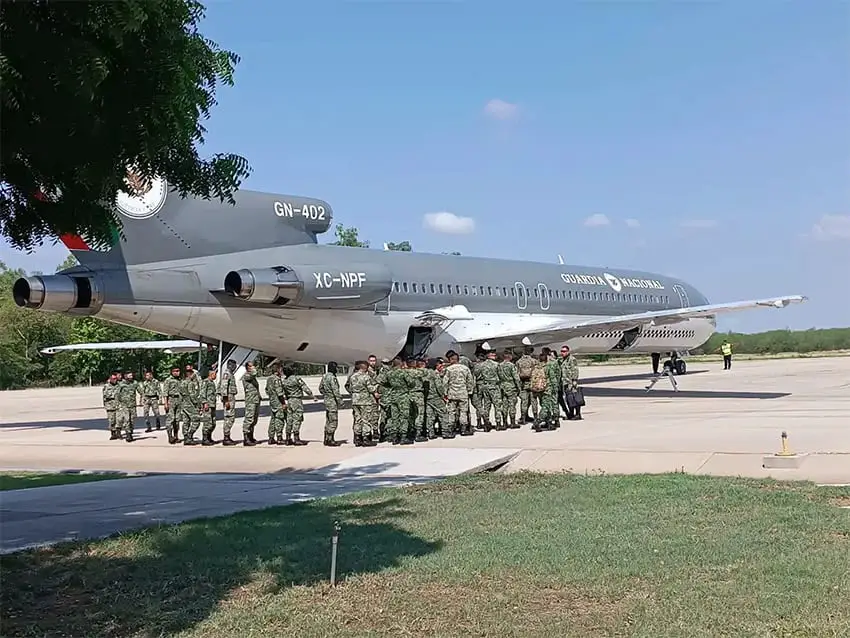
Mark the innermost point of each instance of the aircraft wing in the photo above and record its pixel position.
(526, 332)
(170, 347)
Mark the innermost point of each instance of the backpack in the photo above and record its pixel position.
(525, 366)
(538, 379)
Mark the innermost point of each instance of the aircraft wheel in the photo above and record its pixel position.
(681, 367)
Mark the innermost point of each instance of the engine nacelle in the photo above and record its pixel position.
(357, 286)
(75, 294)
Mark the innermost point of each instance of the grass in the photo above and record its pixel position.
(498, 555)
(24, 480)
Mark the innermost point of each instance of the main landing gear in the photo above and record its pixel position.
(674, 363)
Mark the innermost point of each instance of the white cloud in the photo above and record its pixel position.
(597, 219)
(501, 110)
(831, 227)
(632, 223)
(699, 223)
(448, 223)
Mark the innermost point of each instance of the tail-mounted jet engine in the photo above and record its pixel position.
(75, 294)
(356, 286)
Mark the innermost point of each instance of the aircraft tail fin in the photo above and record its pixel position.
(160, 225)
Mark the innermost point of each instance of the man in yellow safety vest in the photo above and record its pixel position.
(726, 350)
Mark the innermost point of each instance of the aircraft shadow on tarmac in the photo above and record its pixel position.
(196, 567)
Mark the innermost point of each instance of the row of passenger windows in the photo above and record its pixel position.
(659, 333)
(505, 291)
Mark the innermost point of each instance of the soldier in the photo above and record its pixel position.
(475, 398)
(173, 409)
(150, 392)
(251, 388)
(487, 383)
(363, 387)
(277, 403)
(126, 412)
(395, 393)
(329, 389)
(132, 406)
(417, 401)
(548, 416)
(539, 385)
(525, 366)
(380, 370)
(208, 406)
(294, 389)
(511, 386)
(227, 391)
(569, 381)
(110, 404)
(435, 402)
(190, 402)
(458, 384)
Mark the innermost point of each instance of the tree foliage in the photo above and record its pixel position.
(348, 236)
(92, 88)
(404, 246)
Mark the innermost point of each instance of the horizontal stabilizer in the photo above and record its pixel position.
(560, 330)
(169, 347)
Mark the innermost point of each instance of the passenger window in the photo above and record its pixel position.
(414, 288)
(474, 291)
(404, 286)
(433, 289)
(498, 292)
(535, 292)
(489, 291)
(465, 289)
(396, 286)
(441, 288)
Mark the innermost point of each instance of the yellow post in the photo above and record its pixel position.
(785, 450)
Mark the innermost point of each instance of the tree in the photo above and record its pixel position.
(347, 236)
(404, 246)
(453, 253)
(70, 262)
(92, 89)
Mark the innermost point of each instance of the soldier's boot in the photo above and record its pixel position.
(514, 425)
(296, 440)
(148, 427)
(158, 425)
(288, 440)
(501, 424)
(272, 440)
(280, 438)
(129, 438)
(466, 429)
(228, 441)
(448, 434)
(247, 441)
(536, 426)
(578, 416)
(330, 441)
(368, 442)
(114, 436)
(358, 440)
(189, 439)
(206, 439)
(420, 437)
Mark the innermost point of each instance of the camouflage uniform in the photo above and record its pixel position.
(150, 392)
(526, 398)
(111, 405)
(294, 389)
(173, 409)
(549, 412)
(435, 406)
(364, 405)
(417, 403)
(395, 393)
(458, 384)
(569, 382)
(251, 388)
(329, 389)
(126, 412)
(475, 397)
(489, 391)
(379, 375)
(511, 386)
(227, 391)
(208, 398)
(277, 402)
(190, 402)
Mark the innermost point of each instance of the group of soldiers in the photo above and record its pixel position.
(399, 401)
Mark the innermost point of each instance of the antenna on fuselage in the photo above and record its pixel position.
(560, 260)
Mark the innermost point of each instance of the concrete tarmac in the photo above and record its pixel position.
(720, 422)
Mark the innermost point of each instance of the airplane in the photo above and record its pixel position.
(255, 279)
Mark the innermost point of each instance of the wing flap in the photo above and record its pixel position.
(564, 330)
(175, 346)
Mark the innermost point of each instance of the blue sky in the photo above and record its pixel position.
(709, 141)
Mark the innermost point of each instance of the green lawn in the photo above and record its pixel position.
(23, 480)
(494, 555)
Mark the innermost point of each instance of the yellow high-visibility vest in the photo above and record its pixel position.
(726, 349)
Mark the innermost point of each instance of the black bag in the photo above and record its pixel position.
(575, 398)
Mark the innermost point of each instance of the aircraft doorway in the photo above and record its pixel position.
(521, 295)
(543, 291)
(383, 306)
(419, 339)
(683, 296)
